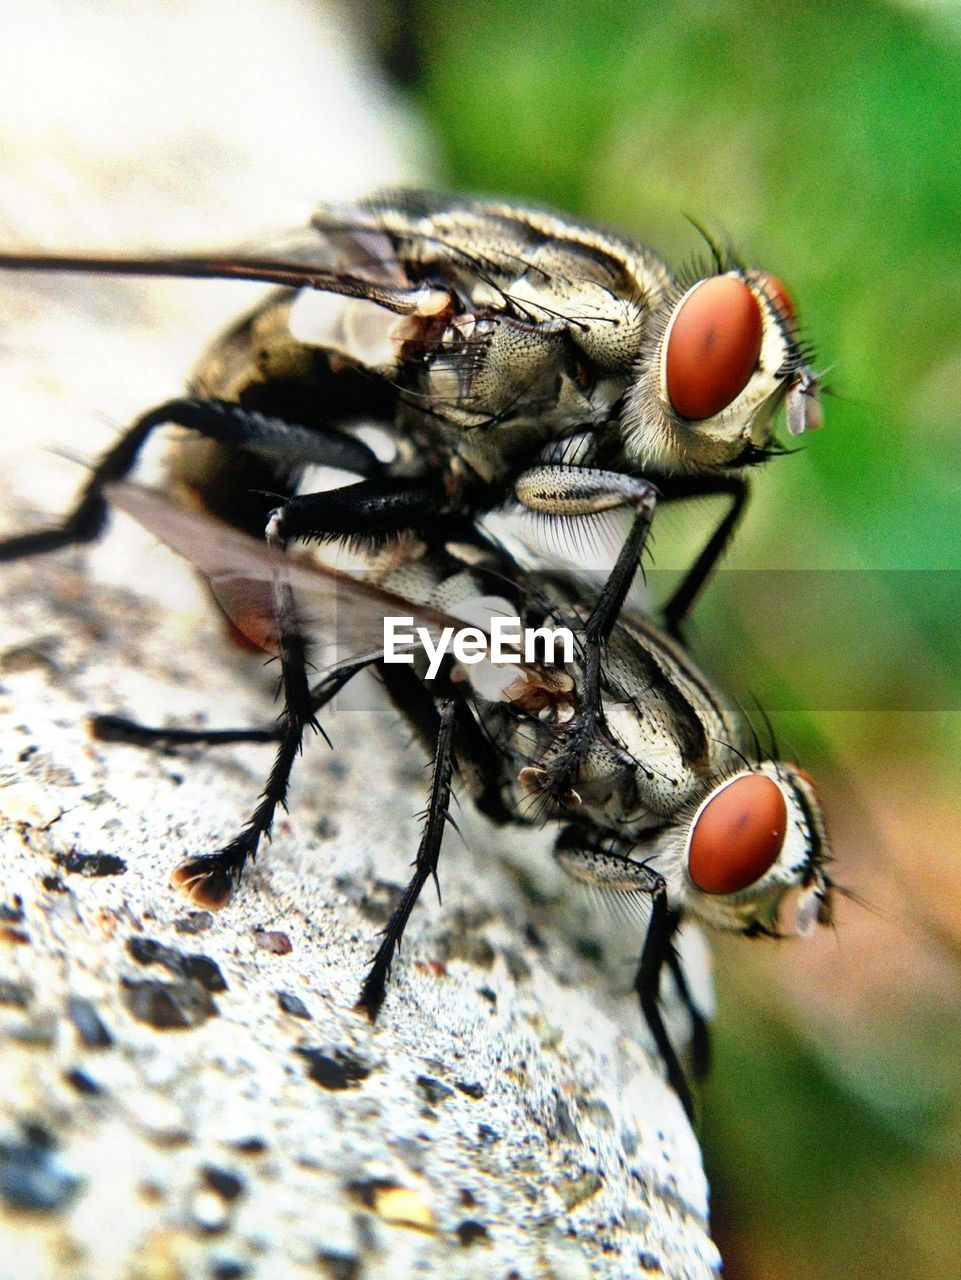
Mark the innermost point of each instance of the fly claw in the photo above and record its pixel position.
(204, 881)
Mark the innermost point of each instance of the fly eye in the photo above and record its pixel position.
(737, 834)
(712, 347)
(776, 290)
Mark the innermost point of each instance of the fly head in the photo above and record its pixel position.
(755, 838)
(722, 354)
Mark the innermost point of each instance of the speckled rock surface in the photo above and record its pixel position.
(193, 1095)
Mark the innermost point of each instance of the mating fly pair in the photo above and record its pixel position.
(483, 337)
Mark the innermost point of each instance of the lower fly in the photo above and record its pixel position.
(660, 795)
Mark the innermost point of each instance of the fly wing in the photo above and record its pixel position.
(345, 244)
(348, 281)
(342, 612)
(358, 263)
(404, 250)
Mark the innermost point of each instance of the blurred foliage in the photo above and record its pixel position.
(824, 141)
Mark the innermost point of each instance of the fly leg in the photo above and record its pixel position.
(549, 490)
(616, 873)
(218, 420)
(108, 728)
(451, 737)
(367, 513)
(679, 488)
(700, 1032)
(656, 952)
(480, 762)
(425, 864)
(581, 491)
(209, 879)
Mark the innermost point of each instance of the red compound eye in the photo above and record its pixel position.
(737, 835)
(713, 346)
(777, 292)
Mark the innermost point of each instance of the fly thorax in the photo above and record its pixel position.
(606, 327)
(663, 780)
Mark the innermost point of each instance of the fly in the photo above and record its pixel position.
(490, 340)
(671, 802)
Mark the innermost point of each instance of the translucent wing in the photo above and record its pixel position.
(395, 246)
(343, 612)
(307, 262)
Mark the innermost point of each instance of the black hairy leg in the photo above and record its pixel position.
(436, 818)
(700, 1032)
(610, 871)
(477, 756)
(219, 420)
(563, 490)
(678, 489)
(209, 879)
(110, 728)
(367, 513)
(657, 951)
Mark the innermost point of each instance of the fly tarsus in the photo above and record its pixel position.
(425, 864)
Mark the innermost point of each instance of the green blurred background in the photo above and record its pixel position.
(825, 142)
